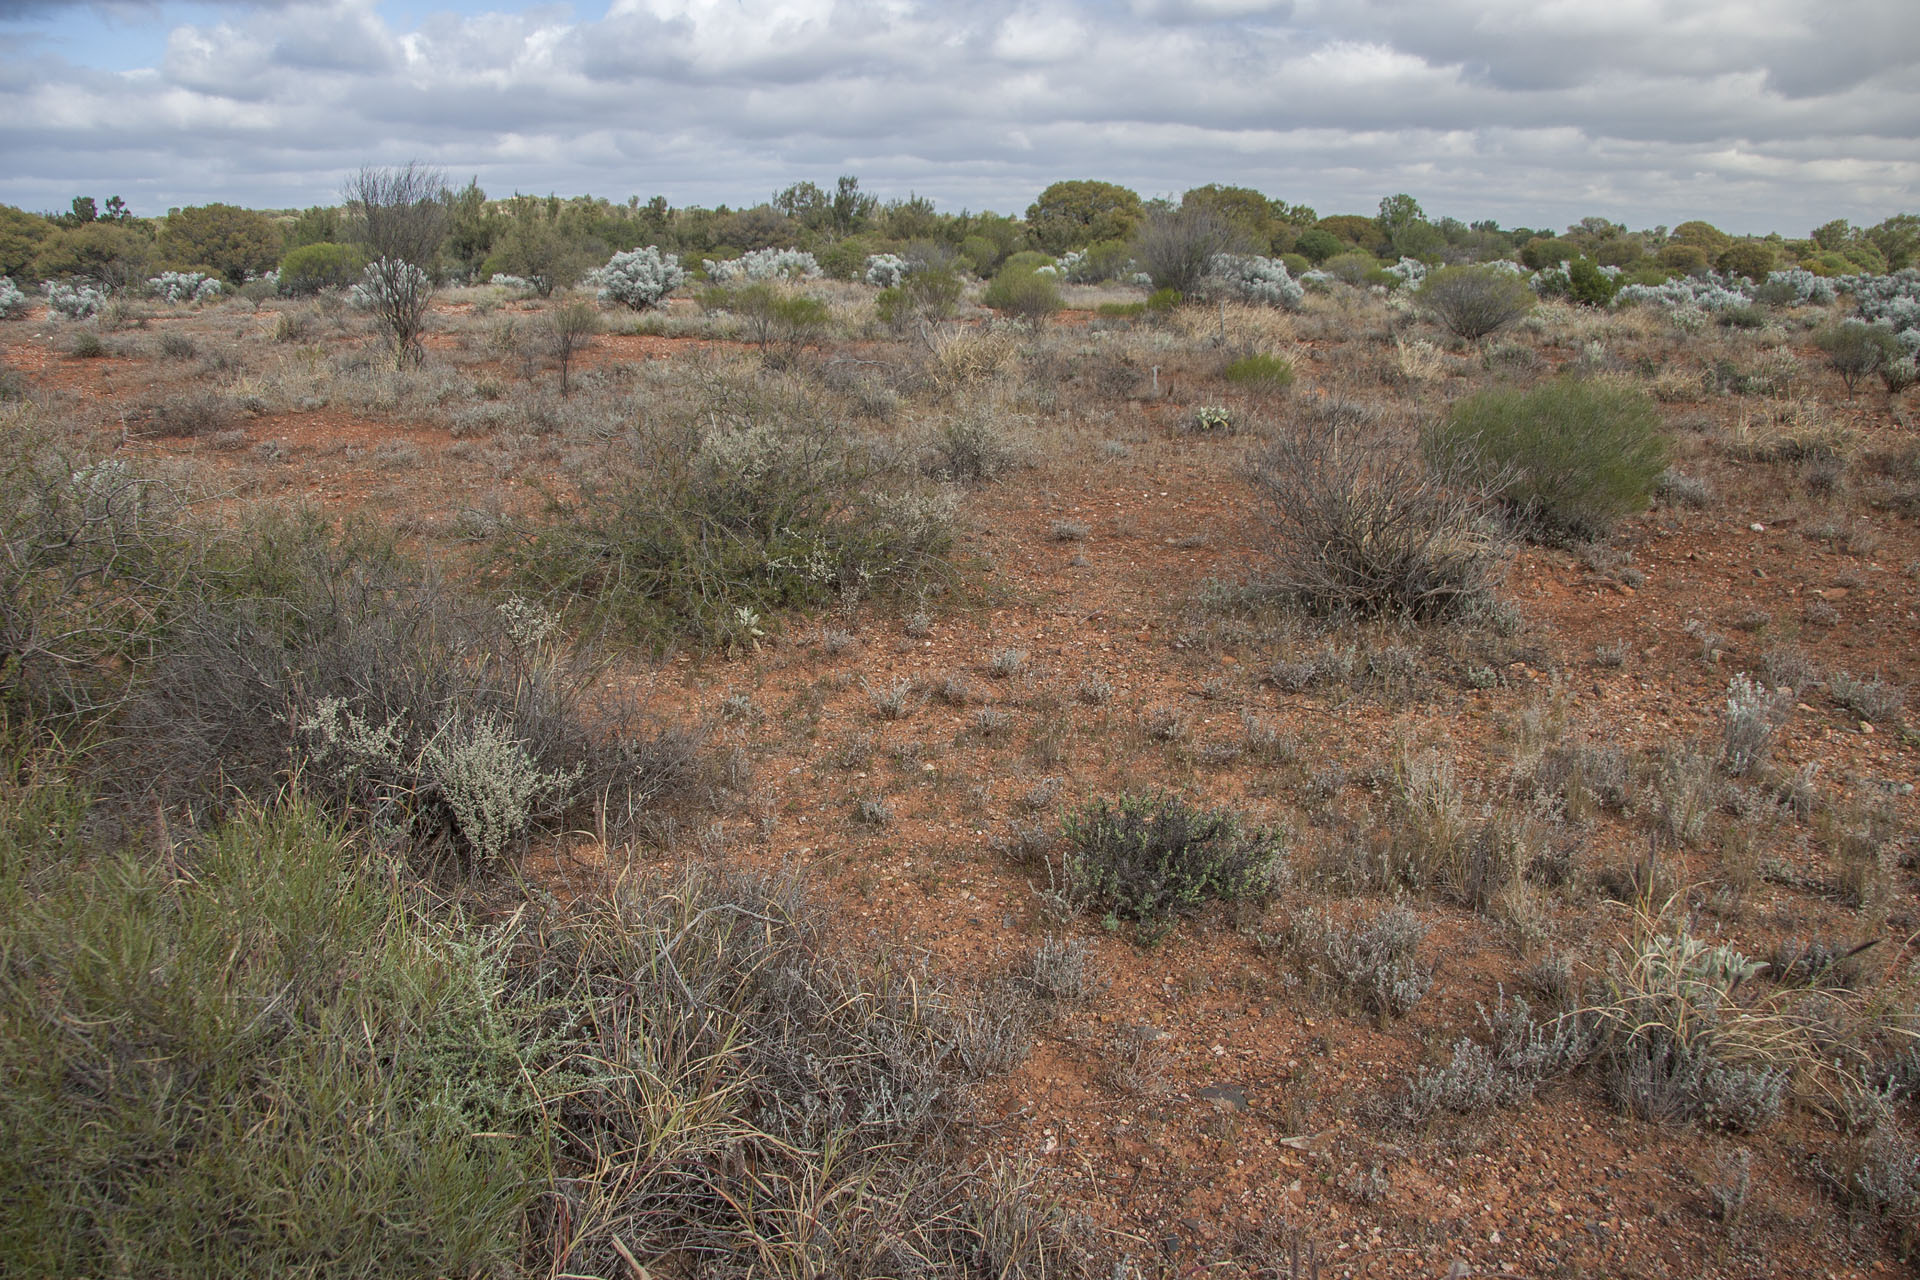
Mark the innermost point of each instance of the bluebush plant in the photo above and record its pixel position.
(516, 284)
(185, 286)
(13, 303)
(1250, 278)
(1893, 301)
(1408, 272)
(75, 302)
(886, 270)
(638, 278)
(764, 264)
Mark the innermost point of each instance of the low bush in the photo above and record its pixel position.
(265, 1029)
(1360, 525)
(638, 278)
(1473, 302)
(1260, 372)
(1855, 350)
(1147, 858)
(1026, 296)
(313, 267)
(1567, 457)
(715, 523)
(1374, 963)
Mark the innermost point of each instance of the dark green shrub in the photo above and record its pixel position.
(1317, 245)
(1567, 458)
(314, 267)
(1855, 350)
(1260, 372)
(1588, 285)
(1744, 316)
(1023, 295)
(1752, 259)
(1687, 259)
(1161, 301)
(1473, 302)
(1542, 252)
(1122, 310)
(1149, 857)
(1359, 525)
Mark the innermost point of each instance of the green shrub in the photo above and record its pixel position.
(1161, 301)
(1122, 310)
(1568, 457)
(1542, 252)
(1022, 294)
(1317, 245)
(1148, 857)
(265, 1039)
(1855, 350)
(1473, 302)
(1588, 284)
(1752, 259)
(1260, 372)
(314, 267)
(716, 522)
(927, 293)
(1351, 268)
(777, 320)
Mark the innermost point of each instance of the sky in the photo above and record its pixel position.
(1756, 115)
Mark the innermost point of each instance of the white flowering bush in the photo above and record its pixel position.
(515, 284)
(185, 286)
(886, 270)
(1250, 278)
(1894, 301)
(763, 264)
(75, 302)
(13, 303)
(638, 278)
(1408, 271)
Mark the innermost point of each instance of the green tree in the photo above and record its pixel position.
(852, 208)
(1750, 258)
(21, 234)
(1703, 236)
(1355, 230)
(1897, 239)
(1403, 224)
(231, 242)
(113, 253)
(313, 267)
(1242, 207)
(1074, 214)
(1317, 245)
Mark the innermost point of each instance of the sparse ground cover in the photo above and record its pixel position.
(1197, 865)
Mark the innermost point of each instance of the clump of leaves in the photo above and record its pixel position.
(1151, 857)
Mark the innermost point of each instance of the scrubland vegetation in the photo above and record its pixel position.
(540, 737)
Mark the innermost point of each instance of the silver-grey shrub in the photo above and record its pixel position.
(886, 270)
(1373, 962)
(764, 264)
(1754, 715)
(75, 302)
(185, 286)
(13, 303)
(1251, 278)
(1519, 1056)
(638, 278)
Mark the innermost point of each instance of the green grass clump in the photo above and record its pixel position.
(1568, 458)
(1122, 310)
(1150, 857)
(251, 1060)
(1261, 372)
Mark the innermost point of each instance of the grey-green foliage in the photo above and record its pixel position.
(1375, 962)
(1473, 302)
(1518, 1056)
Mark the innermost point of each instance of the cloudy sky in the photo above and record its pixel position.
(1754, 114)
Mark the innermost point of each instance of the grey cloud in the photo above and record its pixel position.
(1513, 110)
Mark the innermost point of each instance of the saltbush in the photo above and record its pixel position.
(185, 286)
(1249, 278)
(74, 302)
(886, 270)
(764, 264)
(13, 303)
(638, 278)
(1567, 458)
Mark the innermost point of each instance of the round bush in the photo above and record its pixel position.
(1568, 457)
(1024, 295)
(313, 267)
(1473, 302)
(1261, 372)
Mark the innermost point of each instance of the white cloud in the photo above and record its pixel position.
(1754, 113)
